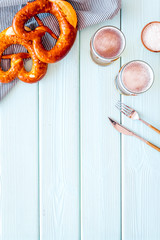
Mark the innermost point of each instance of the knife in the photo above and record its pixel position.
(120, 128)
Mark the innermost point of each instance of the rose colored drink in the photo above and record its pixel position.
(134, 78)
(107, 44)
(151, 36)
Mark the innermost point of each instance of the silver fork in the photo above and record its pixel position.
(131, 113)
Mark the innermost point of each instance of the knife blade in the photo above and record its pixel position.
(120, 128)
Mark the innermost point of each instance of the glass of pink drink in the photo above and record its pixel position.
(150, 36)
(134, 78)
(107, 45)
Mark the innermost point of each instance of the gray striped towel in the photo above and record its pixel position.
(89, 12)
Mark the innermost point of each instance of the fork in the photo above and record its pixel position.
(131, 113)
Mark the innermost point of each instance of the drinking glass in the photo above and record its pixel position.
(150, 36)
(107, 45)
(134, 78)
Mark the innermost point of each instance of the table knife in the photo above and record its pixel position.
(120, 128)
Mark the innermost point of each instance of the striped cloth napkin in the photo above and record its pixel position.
(89, 12)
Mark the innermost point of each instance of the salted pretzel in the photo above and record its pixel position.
(67, 19)
(7, 38)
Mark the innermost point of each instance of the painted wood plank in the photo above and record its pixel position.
(59, 149)
(141, 164)
(100, 145)
(19, 163)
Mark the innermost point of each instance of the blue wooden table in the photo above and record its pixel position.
(65, 173)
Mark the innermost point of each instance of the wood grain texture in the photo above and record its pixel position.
(59, 149)
(100, 145)
(141, 164)
(19, 163)
(60, 159)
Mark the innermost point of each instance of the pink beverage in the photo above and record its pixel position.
(107, 44)
(150, 36)
(134, 78)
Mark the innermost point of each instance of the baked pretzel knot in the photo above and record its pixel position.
(67, 19)
(7, 38)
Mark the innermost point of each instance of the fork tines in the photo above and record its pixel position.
(126, 110)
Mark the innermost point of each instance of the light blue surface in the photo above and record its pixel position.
(66, 174)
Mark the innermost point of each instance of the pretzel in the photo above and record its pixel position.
(7, 38)
(67, 19)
